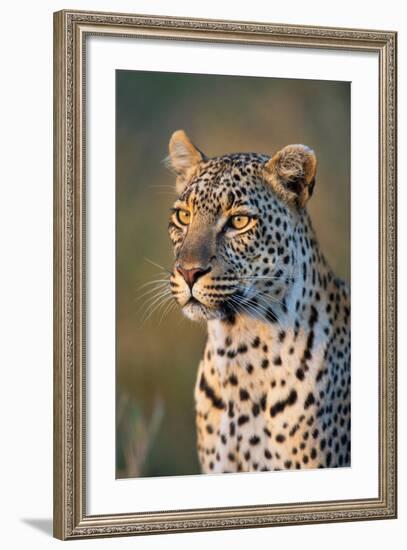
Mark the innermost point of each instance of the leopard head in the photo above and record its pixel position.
(232, 228)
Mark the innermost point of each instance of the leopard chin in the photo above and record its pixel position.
(197, 311)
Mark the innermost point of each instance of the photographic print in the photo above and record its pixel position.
(217, 362)
(232, 274)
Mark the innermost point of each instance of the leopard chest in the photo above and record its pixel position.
(257, 402)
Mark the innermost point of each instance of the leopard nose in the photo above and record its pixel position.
(192, 275)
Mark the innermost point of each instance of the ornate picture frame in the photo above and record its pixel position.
(72, 29)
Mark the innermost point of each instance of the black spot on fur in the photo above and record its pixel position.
(310, 400)
(243, 419)
(281, 405)
(209, 392)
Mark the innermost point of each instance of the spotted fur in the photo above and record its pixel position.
(273, 386)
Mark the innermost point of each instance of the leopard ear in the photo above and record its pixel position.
(184, 158)
(291, 173)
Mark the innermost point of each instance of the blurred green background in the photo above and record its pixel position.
(157, 359)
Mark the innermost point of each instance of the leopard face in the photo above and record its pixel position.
(232, 229)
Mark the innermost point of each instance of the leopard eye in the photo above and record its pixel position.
(239, 222)
(183, 216)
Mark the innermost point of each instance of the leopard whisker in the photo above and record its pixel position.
(153, 290)
(238, 306)
(269, 300)
(156, 309)
(170, 305)
(263, 295)
(166, 278)
(156, 306)
(256, 303)
(257, 293)
(258, 308)
(157, 265)
(152, 300)
(265, 308)
(249, 307)
(149, 283)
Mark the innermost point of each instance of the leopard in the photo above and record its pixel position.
(273, 386)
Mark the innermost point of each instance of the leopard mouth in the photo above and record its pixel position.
(196, 310)
(193, 301)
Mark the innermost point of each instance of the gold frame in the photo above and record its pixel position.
(70, 31)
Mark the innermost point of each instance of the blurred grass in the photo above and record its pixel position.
(221, 114)
(135, 435)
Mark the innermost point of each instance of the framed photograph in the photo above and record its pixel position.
(225, 274)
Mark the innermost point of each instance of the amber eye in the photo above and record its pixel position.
(183, 216)
(239, 222)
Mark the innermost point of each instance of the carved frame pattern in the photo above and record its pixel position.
(70, 31)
